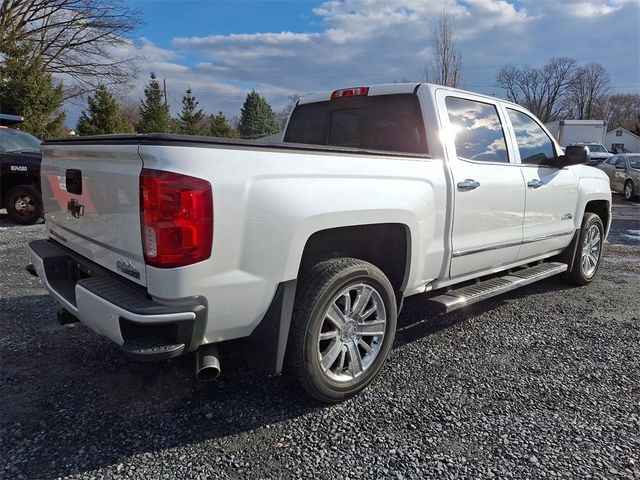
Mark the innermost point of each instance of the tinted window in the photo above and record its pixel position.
(597, 149)
(634, 162)
(612, 160)
(534, 144)
(379, 122)
(15, 140)
(621, 161)
(477, 129)
(345, 125)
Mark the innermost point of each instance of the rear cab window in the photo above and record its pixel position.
(390, 123)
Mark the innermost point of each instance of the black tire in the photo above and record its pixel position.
(318, 289)
(24, 205)
(628, 190)
(579, 275)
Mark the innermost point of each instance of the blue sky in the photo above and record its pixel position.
(182, 18)
(222, 49)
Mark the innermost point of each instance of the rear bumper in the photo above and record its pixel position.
(147, 329)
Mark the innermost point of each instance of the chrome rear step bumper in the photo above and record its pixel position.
(146, 328)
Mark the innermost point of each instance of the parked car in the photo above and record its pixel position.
(597, 153)
(20, 160)
(624, 174)
(304, 250)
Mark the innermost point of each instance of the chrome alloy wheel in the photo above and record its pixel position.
(351, 332)
(591, 251)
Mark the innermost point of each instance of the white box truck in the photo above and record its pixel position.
(569, 132)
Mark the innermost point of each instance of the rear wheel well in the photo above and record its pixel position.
(384, 245)
(600, 208)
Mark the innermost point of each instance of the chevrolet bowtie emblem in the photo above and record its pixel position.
(76, 208)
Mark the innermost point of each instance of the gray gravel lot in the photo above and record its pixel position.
(541, 382)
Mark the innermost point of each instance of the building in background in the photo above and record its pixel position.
(622, 140)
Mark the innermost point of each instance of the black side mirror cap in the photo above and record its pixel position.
(573, 155)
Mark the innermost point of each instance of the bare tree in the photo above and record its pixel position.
(541, 90)
(623, 110)
(75, 39)
(283, 115)
(587, 94)
(130, 111)
(446, 65)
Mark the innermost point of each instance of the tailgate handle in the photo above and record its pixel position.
(73, 179)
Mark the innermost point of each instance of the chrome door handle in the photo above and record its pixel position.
(534, 183)
(468, 185)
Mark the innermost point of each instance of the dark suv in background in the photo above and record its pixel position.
(20, 160)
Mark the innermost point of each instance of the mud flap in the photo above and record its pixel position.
(267, 344)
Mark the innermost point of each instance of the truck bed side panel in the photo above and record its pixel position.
(268, 203)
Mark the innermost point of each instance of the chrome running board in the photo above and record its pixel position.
(455, 299)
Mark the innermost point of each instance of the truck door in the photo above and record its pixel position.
(489, 192)
(551, 192)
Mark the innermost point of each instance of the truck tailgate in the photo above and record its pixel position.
(92, 203)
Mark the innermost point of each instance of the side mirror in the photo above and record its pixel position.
(573, 155)
(621, 166)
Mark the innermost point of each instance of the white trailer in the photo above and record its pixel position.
(569, 132)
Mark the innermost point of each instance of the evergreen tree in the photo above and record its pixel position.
(102, 115)
(190, 120)
(27, 90)
(154, 113)
(220, 127)
(257, 118)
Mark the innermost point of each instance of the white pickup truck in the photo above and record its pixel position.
(305, 249)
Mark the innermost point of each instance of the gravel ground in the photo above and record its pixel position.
(541, 382)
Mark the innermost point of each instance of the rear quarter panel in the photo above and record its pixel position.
(267, 203)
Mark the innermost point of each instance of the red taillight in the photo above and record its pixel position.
(350, 92)
(177, 218)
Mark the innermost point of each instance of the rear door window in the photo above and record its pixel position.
(380, 122)
(477, 129)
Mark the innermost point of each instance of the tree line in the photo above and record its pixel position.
(42, 41)
(88, 43)
(562, 89)
(104, 115)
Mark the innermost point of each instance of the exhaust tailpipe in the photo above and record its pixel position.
(207, 363)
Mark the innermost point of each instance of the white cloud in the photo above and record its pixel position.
(587, 9)
(378, 41)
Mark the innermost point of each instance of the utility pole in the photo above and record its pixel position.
(164, 89)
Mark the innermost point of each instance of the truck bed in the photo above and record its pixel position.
(170, 139)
